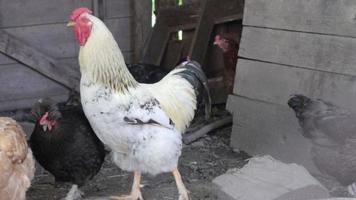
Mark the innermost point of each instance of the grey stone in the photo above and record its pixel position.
(265, 178)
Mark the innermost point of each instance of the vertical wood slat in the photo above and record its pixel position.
(202, 33)
(154, 50)
(141, 26)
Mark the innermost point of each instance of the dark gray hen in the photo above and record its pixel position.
(64, 143)
(333, 133)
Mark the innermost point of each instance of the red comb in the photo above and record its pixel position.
(77, 12)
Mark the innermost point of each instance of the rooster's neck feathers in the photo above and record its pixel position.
(102, 61)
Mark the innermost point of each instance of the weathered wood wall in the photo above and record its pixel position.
(290, 47)
(42, 25)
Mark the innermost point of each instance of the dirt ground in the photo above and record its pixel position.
(200, 163)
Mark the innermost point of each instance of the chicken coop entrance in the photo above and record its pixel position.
(187, 29)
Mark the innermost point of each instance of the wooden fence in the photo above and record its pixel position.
(42, 51)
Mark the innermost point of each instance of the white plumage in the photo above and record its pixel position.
(141, 123)
(137, 146)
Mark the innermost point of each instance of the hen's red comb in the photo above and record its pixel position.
(77, 12)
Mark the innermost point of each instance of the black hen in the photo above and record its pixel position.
(146, 73)
(65, 145)
(333, 133)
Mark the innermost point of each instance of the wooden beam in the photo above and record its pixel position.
(141, 26)
(312, 51)
(38, 61)
(99, 9)
(156, 45)
(202, 33)
(180, 15)
(199, 16)
(187, 16)
(318, 16)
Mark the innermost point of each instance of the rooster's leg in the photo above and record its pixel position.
(183, 192)
(135, 191)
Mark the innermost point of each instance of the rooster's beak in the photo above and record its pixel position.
(71, 23)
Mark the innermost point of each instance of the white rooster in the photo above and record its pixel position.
(141, 123)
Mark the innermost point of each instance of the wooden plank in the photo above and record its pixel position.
(118, 8)
(55, 39)
(5, 59)
(141, 26)
(28, 84)
(319, 16)
(38, 61)
(16, 104)
(121, 29)
(321, 52)
(185, 16)
(264, 128)
(202, 33)
(228, 11)
(17, 13)
(73, 61)
(156, 44)
(58, 41)
(275, 83)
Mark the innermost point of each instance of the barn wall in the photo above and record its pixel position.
(290, 47)
(42, 24)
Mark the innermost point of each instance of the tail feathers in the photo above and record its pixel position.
(196, 76)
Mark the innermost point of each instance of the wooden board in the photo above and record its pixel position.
(41, 25)
(17, 13)
(314, 51)
(117, 8)
(156, 44)
(142, 11)
(73, 61)
(121, 29)
(56, 40)
(25, 103)
(36, 60)
(319, 16)
(181, 17)
(262, 128)
(28, 84)
(202, 33)
(275, 83)
(5, 59)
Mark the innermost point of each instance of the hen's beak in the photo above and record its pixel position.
(45, 127)
(71, 23)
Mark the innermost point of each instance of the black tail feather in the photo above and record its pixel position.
(196, 76)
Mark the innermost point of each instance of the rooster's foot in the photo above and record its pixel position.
(136, 196)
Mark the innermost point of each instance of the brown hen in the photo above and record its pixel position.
(230, 46)
(17, 166)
